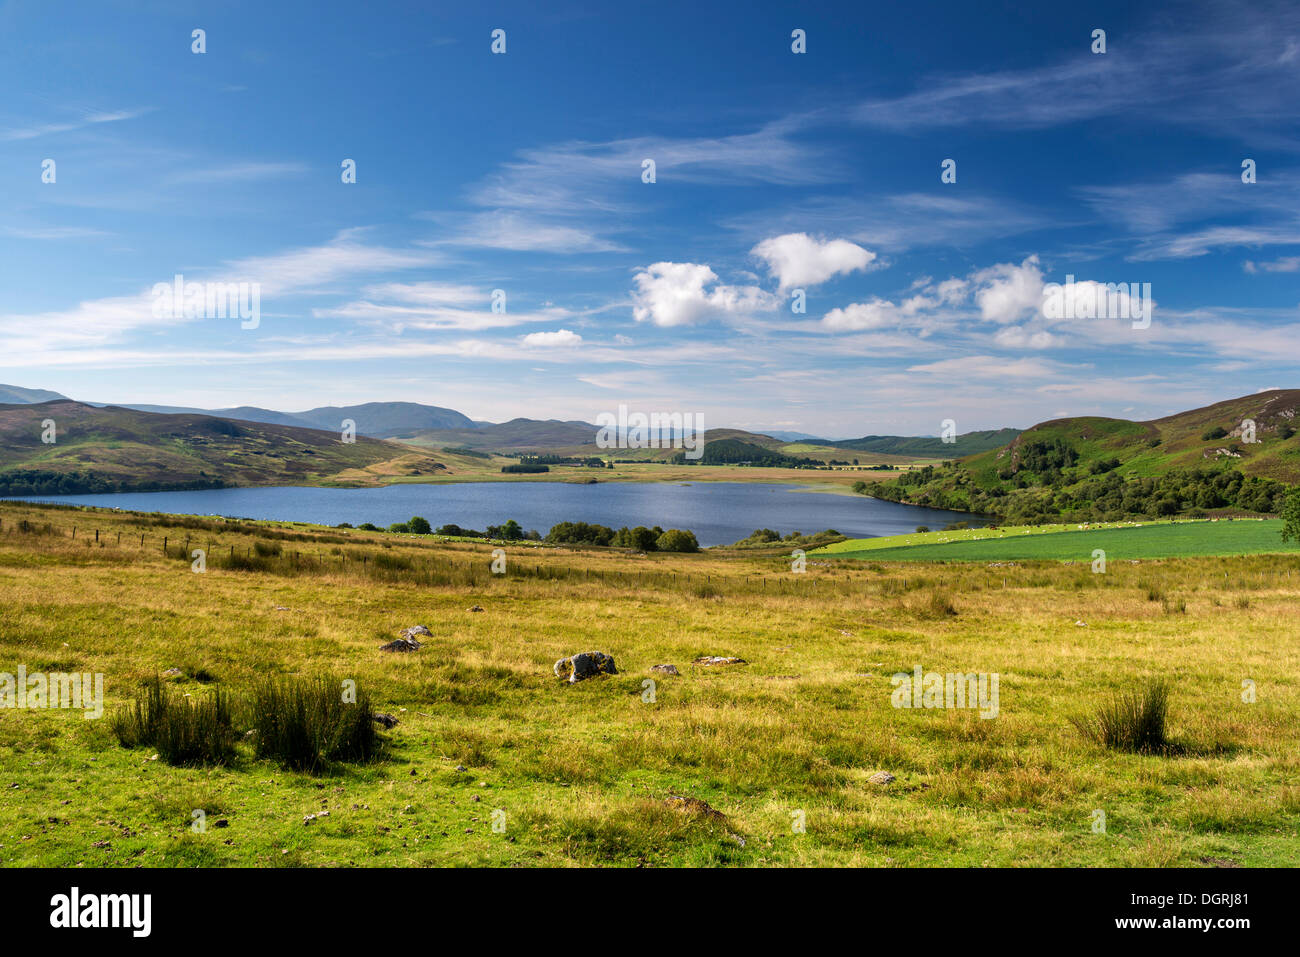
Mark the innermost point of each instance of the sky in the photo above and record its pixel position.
(780, 179)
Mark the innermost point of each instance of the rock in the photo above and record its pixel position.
(881, 777)
(587, 664)
(415, 630)
(171, 672)
(221, 822)
(477, 608)
(709, 660)
(1081, 624)
(460, 767)
(690, 805)
(665, 669)
(401, 644)
(387, 720)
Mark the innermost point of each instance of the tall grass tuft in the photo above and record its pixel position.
(184, 732)
(1132, 721)
(305, 724)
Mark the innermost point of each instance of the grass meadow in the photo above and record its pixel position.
(494, 761)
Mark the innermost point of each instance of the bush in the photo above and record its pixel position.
(1291, 515)
(641, 539)
(580, 533)
(1134, 721)
(183, 731)
(305, 723)
(677, 540)
(1217, 432)
(923, 528)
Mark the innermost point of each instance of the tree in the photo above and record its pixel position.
(1291, 515)
(512, 531)
(419, 526)
(678, 540)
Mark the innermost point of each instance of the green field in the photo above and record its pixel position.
(1075, 542)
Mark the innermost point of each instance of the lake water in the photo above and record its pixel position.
(719, 513)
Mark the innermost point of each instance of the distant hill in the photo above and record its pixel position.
(245, 413)
(118, 449)
(378, 419)
(929, 446)
(385, 419)
(16, 394)
(1196, 462)
(525, 435)
(787, 436)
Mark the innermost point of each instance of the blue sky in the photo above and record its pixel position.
(775, 171)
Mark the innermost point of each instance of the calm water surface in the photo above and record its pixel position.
(719, 513)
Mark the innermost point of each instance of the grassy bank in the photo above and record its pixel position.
(586, 773)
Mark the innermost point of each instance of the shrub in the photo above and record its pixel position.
(1291, 515)
(305, 723)
(1217, 432)
(1134, 721)
(923, 528)
(183, 731)
(677, 540)
(641, 539)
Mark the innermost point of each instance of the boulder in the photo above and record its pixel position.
(587, 664)
(401, 644)
(709, 660)
(665, 669)
(416, 630)
(387, 720)
(880, 777)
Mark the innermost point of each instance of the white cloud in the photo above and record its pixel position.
(875, 314)
(1285, 264)
(797, 259)
(500, 229)
(1006, 292)
(675, 294)
(561, 338)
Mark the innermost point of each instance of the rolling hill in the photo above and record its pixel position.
(117, 449)
(379, 419)
(969, 443)
(17, 394)
(1093, 468)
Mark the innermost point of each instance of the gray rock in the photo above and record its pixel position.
(415, 630)
(401, 644)
(665, 669)
(709, 660)
(880, 777)
(587, 664)
(387, 720)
